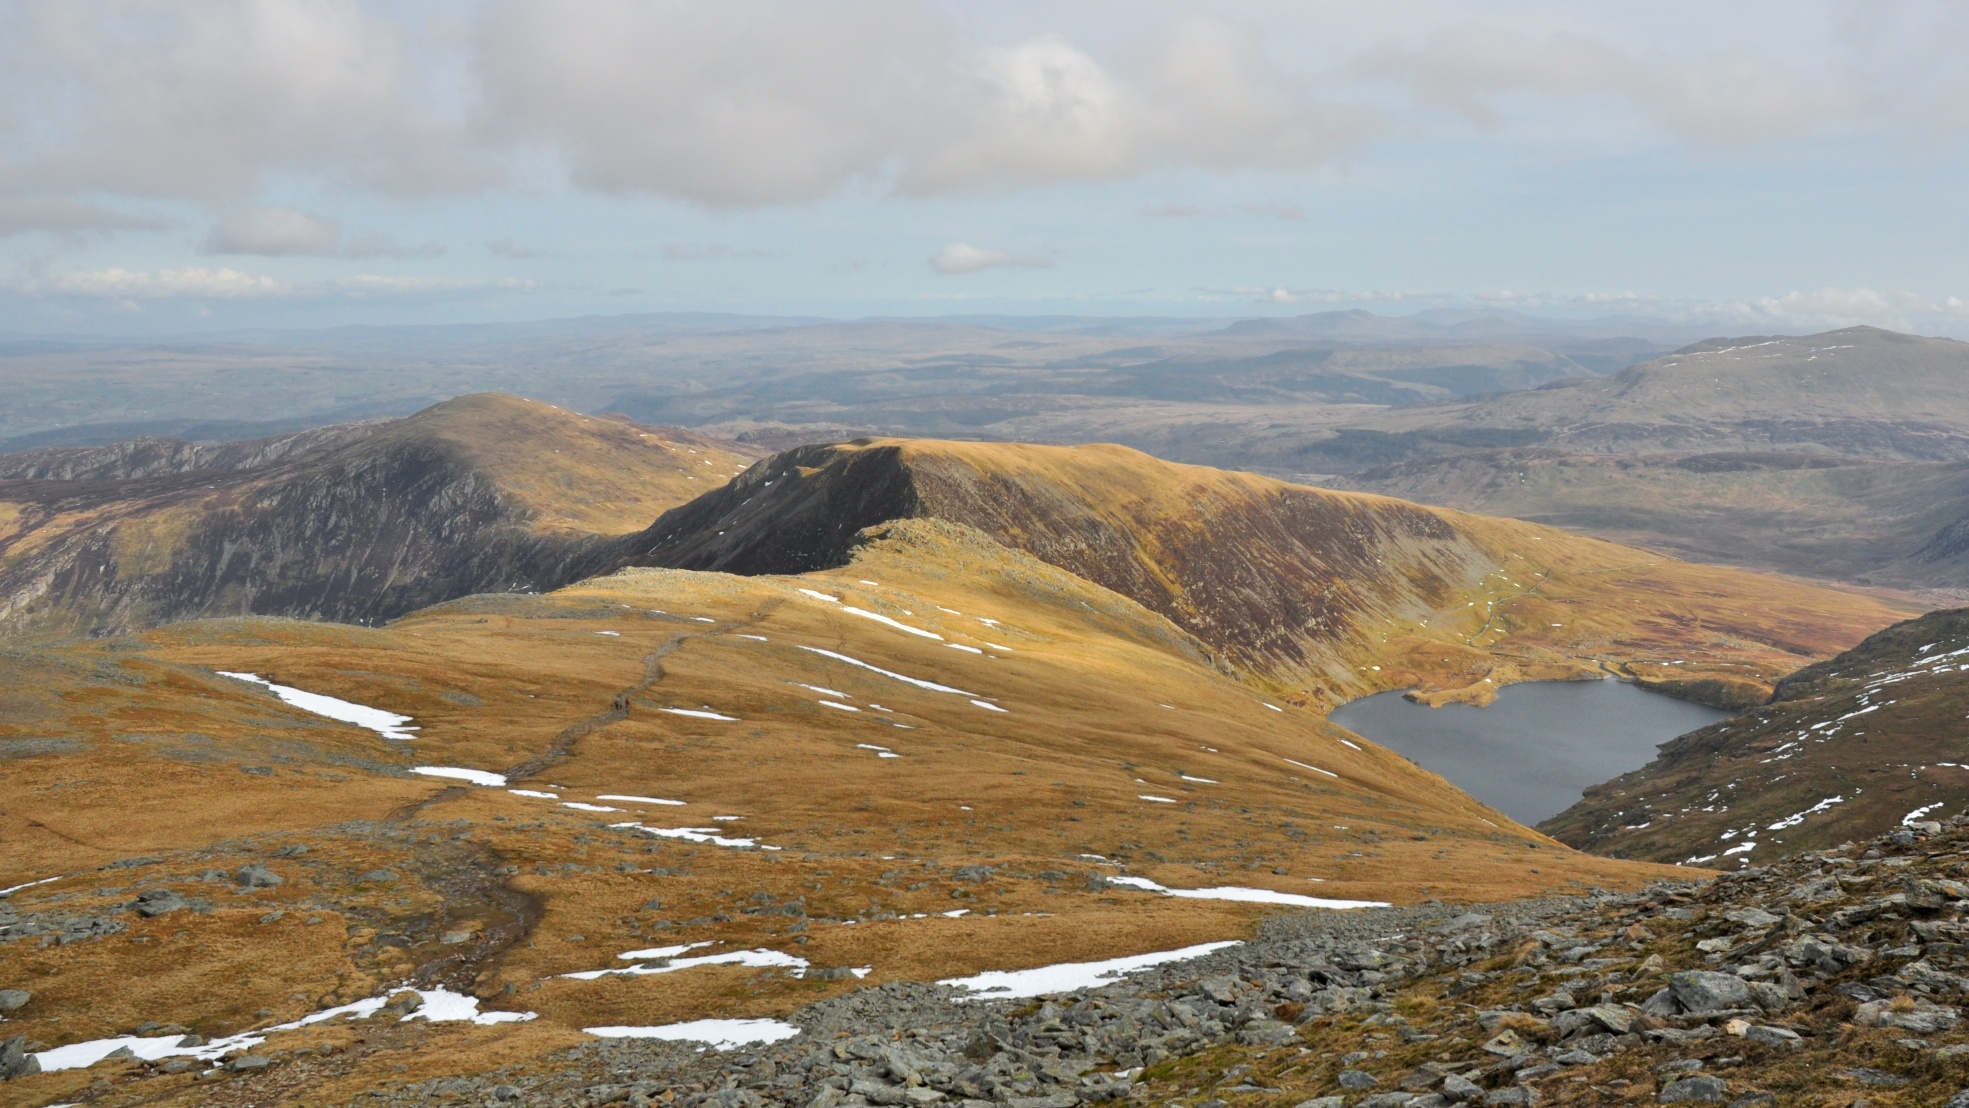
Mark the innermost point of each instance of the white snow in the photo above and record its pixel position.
(1249, 896)
(1155, 799)
(821, 596)
(961, 646)
(1274, 707)
(987, 705)
(639, 799)
(535, 793)
(1315, 769)
(1355, 746)
(707, 835)
(387, 724)
(756, 638)
(757, 959)
(1068, 976)
(617, 634)
(1797, 818)
(1198, 780)
(475, 776)
(580, 807)
(880, 751)
(879, 618)
(821, 689)
(955, 913)
(440, 1006)
(918, 682)
(696, 714)
(717, 1034)
(1915, 816)
(29, 885)
(837, 705)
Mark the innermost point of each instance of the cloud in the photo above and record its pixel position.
(382, 244)
(961, 257)
(273, 232)
(63, 215)
(507, 248)
(208, 101)
(117, 283)
(707, 251)
(1726, 98)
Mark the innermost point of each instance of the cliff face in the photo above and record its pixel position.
(356, 524)
(1330, 595)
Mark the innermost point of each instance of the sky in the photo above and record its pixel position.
(220, 164)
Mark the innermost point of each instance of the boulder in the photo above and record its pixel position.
(1701, 1089)
(1700, 992)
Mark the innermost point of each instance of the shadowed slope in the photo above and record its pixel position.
(1326, 595)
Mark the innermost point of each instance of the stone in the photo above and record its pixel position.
(247, 1063)
(1753, 917)
(255, 875)
(1266, 1033)
(1959, 1100)
(1755, 1100)
(1054, 1100)
(1355, 1080)
(1386, 1100)
(1457, 1089)
(1699, 992)
(13, 1000)
(1223, 990)
(1702, 1089)
(377, 877)
(507, 1093)
(177, 1065)
(1516, 1095)
(15, 1061)
(1867, 1075)
(156, 902)
(1506, 1043)
(1323, 1102)
(1774, 1036)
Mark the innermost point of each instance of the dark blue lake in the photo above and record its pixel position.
(1532, 753)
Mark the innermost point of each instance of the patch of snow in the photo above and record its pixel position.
(707, 835)
(1155, 799)
(697, 714)
(665, 963)
(475, 776)
(756, 638)
(440, 1006)
(717, 1034)
(880, 751)
(1275, 707)
(821, 596)
(961, 646)
(30, 884)
(1069, 976)
(580, 807)
(1355, 746)
(1249, 896)
(879, 618)
(987, 705)
(640, 799)
(842, 707)
(387, 724)
(1315, 769)
(918, 682)
(1198, 780)
(535, 793)
(1797, 818)
(954, 913)
(821, 689)
(617, 634)
(1914, 817)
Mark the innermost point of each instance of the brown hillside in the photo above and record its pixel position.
(133, 765)
(1320, 595)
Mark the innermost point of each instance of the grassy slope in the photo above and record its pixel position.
(1876, 726)
(1103, 703)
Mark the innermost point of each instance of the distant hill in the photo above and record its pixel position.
(1847, 749)
(359, 523)
(1328, 595)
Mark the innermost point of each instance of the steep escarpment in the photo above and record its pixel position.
(1846, 749)
(482, 493)
(1327, 594)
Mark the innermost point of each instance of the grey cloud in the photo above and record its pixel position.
(273, 232)
(63, 215)
(1722, 99)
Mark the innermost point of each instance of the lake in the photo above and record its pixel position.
(1533, 752)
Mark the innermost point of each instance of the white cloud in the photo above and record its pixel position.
(962, 257)
(273, 232)
(117, 283)
(1720, 99)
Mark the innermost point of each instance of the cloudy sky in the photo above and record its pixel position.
(211, 164)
